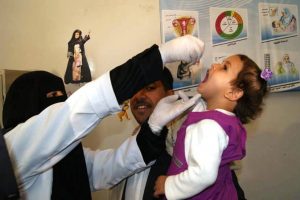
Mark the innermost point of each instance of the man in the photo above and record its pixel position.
(37, 145)
(142, 105)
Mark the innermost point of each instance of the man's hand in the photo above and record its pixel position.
(169, 108)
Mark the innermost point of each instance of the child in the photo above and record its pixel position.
(209, 141)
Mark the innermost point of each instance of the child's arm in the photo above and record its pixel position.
(159, 187)
(204, 145)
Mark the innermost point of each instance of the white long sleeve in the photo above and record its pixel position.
(39, 143)
(205, 142)
(108, 167)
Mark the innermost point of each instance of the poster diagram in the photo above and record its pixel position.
(228, 25)
(176, 23)
(277, 21)
(285, 68)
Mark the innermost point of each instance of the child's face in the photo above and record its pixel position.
(218, 78)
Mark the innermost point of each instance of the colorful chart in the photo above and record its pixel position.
(229, 25)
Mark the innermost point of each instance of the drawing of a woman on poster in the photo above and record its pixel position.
(277, 21)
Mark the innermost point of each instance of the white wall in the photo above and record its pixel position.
(271, 168)
(34, 35)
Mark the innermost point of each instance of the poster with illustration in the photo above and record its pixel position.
(285, 68)
(176, 23)
(277, 21)
(228, 25)
(267, 32)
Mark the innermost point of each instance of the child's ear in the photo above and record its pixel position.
(234, 94)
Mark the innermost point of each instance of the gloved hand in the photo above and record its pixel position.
(185, 48)
(168, 109)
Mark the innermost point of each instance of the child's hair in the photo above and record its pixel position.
(249, 106)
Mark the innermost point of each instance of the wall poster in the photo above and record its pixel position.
(267, 32)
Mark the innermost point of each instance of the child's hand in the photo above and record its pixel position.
(159, 187)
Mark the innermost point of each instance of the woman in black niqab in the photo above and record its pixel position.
(30, 94)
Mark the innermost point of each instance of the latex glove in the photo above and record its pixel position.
(169, 108)
(185, 48)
